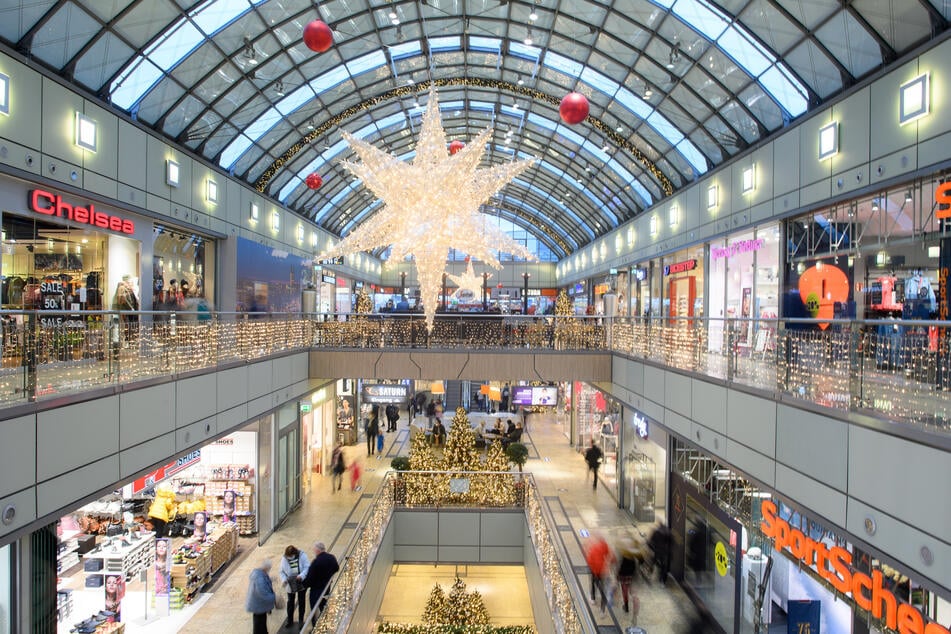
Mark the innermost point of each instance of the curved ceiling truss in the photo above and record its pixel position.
(676, 86)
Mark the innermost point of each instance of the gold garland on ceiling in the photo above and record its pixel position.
(476, 82)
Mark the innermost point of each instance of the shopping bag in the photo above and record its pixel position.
(379, 442)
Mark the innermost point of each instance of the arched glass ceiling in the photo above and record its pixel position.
(676, 86)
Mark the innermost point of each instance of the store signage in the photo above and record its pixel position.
(739, 246)
(579, 288)
(377, 393)
(534, 292)
(151, 479)
(834, 564)
(639, 422)
(329, 279)
(942, 196)
(601, 289)
(48, 204)
(330, 261)
(639, 274)
(680, 267)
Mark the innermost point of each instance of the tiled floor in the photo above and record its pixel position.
(330, 517)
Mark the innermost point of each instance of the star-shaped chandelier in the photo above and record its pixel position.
(431, 205)
(468, 281)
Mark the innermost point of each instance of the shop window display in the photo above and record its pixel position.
(598, 419)
(182, 271)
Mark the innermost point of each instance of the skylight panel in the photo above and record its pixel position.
(702, 17)
(406, 49)
(335, 201)
(525, 52)
(218, 13)
(646, 198)
(333, 77)
(488, 44)
(442, 44)
(562, 64)
(367, 62)
(744, 52)
(693, 155)
(790, 94)
(140, 75)
(262, 124)
(295, 100)
(633, 103)
(666, 129)
(233, 152)
(174, 45)
(544, 195)
(600, 82)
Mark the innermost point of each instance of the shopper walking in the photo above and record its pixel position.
(355, 472)
(593, 457)
(261, 598)
(392, 417)
(599, 558)
(321, 570)
(659, 542)
(293, 569)
(628, 557)
(337, 466)
(372, 429)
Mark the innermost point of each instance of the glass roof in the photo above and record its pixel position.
(676, 87)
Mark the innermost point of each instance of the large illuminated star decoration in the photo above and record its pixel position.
(431, 205)
(468, 281)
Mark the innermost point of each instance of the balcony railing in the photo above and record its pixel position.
(899, 370)
(442, 490)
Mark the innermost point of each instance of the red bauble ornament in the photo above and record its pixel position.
(455, 146)
(318, 36)
(314, 181)
(574, 108)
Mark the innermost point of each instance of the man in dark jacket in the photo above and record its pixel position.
(392, 416)
(660, 543)
(322, 569)
(593, 457)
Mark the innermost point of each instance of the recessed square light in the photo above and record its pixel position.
(313, 239)
(4, 94)
(85, 132)
(653, 225)
(828, 140)
(212, 191)
(914, 100)
(673, 215)
(173, 173)
(300, 233)
(255, 211)
(713, 196)
(275, 221)
(749, 179)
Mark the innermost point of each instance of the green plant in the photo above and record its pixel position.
(399, 463)
(517, 453)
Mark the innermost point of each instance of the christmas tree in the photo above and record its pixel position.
(459, 608)
(364, 302)
(498, 487)
(435, 606)
(563, 306)
(422, 488)
(460, 453)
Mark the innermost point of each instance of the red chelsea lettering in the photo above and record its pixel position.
(48, 204)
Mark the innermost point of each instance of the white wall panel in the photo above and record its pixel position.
(195, 434)
(752, 421)
(23, 126)
(709, 404)
(886, 135)
(654, 382)
(64, 490)
(713, 442)
(72, 436)
(17, 454)
(677, 392)
(812, 444)
(146, 413)
(786, 150)
(233, 386)
(132, 461)
(811, 493)
(854, 116)
(24, 506)
(195, 398)
(132, 146)
(260, 380)
(903, 541)
(755, 464)
(899, 477)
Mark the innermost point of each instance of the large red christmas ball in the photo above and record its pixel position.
(314, 181)
(318, 36)
(574, 108)
(455, 146)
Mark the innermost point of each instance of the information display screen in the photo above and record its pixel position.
(526, 395)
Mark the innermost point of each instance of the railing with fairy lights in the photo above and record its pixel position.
(899, 370)
(463, 489)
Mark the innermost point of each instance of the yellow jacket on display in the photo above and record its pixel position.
(163, 508)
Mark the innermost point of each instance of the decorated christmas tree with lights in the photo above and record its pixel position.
(460, 607)
(422, 488)
(460, 453)
(498, 486)
(364, 302)
(563, 307)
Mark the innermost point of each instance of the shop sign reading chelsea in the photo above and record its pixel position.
(48, 204)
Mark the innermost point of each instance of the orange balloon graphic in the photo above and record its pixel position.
(820, 287)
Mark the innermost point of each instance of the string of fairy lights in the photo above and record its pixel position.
(476, 82)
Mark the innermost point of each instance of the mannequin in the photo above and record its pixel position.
(918, 292)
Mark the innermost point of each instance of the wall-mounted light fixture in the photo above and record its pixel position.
(300, 233)
(212, 191)
(275, 220)
(828, 140)
(173, 173)
(85, 132)
(255, 211)
(4, 94)
(749, 179)
(713, 197)
(653, 225)
(313, 239)
(875, 205)
(914, 99)
(673, 216)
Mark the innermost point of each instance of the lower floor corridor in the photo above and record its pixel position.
(333, 517)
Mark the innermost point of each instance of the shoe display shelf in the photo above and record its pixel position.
(192, 573)
(224, 545)
(67, 552)
(128, 555)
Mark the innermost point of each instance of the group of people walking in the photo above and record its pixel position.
(297, 574)
(621, 565)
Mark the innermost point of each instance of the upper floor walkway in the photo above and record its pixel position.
(893, 371)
